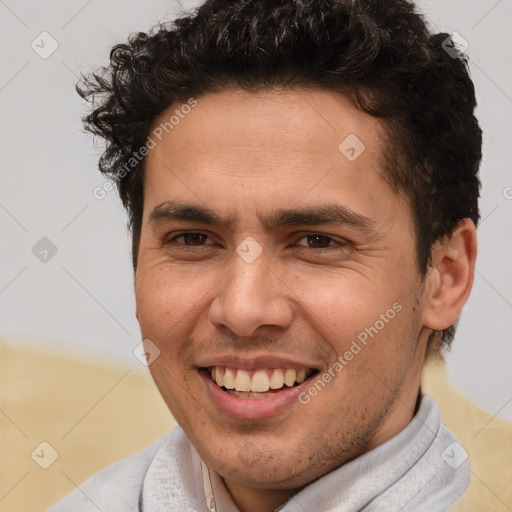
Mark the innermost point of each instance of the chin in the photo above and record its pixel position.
(264, 468)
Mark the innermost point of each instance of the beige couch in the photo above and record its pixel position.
(93, 415)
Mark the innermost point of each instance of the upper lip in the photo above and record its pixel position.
(254, 363)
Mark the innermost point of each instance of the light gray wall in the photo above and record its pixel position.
(81, 299)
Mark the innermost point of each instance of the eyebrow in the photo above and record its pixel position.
(325, 214)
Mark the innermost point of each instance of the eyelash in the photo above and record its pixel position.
(340, 244)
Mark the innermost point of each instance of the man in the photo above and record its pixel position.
(301, 183)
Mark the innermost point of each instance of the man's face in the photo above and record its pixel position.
(298, 258)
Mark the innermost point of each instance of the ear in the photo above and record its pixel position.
(450, 278)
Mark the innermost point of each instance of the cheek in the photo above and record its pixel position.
(166, 301)
(337, 305)
(166, 298)
(343, 305)
(371, 330)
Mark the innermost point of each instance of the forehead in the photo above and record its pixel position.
(264, 121)
(237, 149)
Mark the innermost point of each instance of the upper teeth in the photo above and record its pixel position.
(257, 380)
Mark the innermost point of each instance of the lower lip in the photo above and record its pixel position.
(252, 408)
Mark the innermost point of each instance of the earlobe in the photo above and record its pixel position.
(450, 280)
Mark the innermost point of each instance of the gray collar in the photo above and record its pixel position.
(423, 468)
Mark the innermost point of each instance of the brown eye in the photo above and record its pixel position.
(190, 238)
(318, 241)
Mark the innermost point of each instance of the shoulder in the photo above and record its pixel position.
(117, 488)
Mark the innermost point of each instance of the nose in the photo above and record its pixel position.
(251, 295)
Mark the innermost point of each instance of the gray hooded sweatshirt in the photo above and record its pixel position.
(421, 469)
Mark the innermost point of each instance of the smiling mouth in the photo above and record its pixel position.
(260, 383)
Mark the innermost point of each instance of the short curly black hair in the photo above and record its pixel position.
(378, 53)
